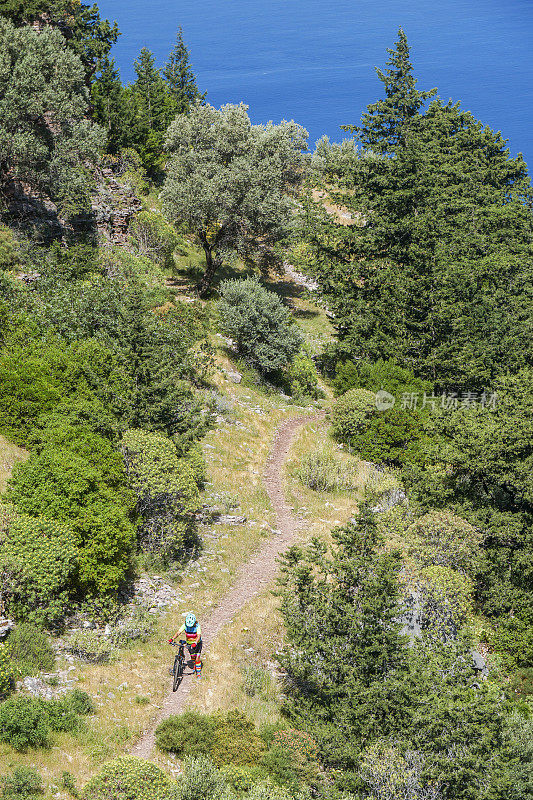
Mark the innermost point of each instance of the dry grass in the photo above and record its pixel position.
(10, 455)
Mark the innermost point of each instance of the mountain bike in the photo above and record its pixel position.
(179, 665)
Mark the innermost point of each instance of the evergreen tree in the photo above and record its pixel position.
(180, 78)
(435, 272)
(345, 656)
(107, 95)
(149, 111)
(384, 127)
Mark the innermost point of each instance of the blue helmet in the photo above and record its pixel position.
(190, 620)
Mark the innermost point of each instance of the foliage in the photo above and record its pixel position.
(518, 734)
(129, 778)
(321, 471)
(230, 181)
(444, 539)
(154, 237)
(345, 655)
(391, 774)
(441, 213)
(229, 738)
(235, 740)
(90, 37)
(7, 671)
(23, 783)
(261, 327)
(80, 702)
(46, 139)
(257, 680)
(446, 600)
(79, 480)
(385, 375)
(188, 734)
(24, 723)
(292, 760)
(31, 650)
(478, 463)
(200, 780)
(302, 376)
(180, 79)
(166, 489)
(90, 646)
(38, 559)
(351, 413)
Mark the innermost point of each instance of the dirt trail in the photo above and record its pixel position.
(251, 578)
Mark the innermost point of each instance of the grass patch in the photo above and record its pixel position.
(10, 455)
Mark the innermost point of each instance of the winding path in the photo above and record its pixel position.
(252, 577)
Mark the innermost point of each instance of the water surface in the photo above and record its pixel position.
(314, 61)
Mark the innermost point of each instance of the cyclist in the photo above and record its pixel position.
(193, 637)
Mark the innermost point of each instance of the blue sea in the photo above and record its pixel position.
(314, 61)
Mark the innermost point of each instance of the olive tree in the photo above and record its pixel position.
(231, 182)
(46, 139)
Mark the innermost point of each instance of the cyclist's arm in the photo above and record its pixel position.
(181, 630)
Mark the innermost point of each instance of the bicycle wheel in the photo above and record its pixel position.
(178, 671)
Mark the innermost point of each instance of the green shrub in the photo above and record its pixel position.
(392, 435)
(200, 780)
(261, 327)
(241, 778)
(321, 472)
(442, 538)
(188, 734)
(79, 702)
(154, 237)
(447, 600)
(292, 759)
(138, 626)
(166, 489)
(90, 646)
(302, 376)
(61, 716)
(7, 671)
(378, 375)
(68, 783)
(31, 650)
(236, 740)
(512, 638)
(129, 778)
(24, 723)
(351, 414)
(39, 557)
(23, 783)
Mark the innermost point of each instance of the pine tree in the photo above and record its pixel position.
(180, 78)
(345, 656)
(384, 127)
(107, 95)
(149, 112)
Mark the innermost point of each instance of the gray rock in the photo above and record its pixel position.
(231, 519)
(234, 377)
(6, 625)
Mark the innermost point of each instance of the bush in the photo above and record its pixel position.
(7, 671)
(303, 377)
(513, 640)
(442, 538)
(23, 784)
(351, 414)
(167, 492)
(229, 738)
(38, 558)
(31, 650)
(236, 740)
(129, 778)
(292, 759)
(447, 598)
(154, 237)
(90, 646)
(261, 327)
(79, 702)
(24, 723)
(188, 734)
(241, 778)
(322, 472)
(378, 375)
(257, 681)
(201, 780)
(138, 626)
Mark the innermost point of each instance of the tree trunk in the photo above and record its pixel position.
(212, 264)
